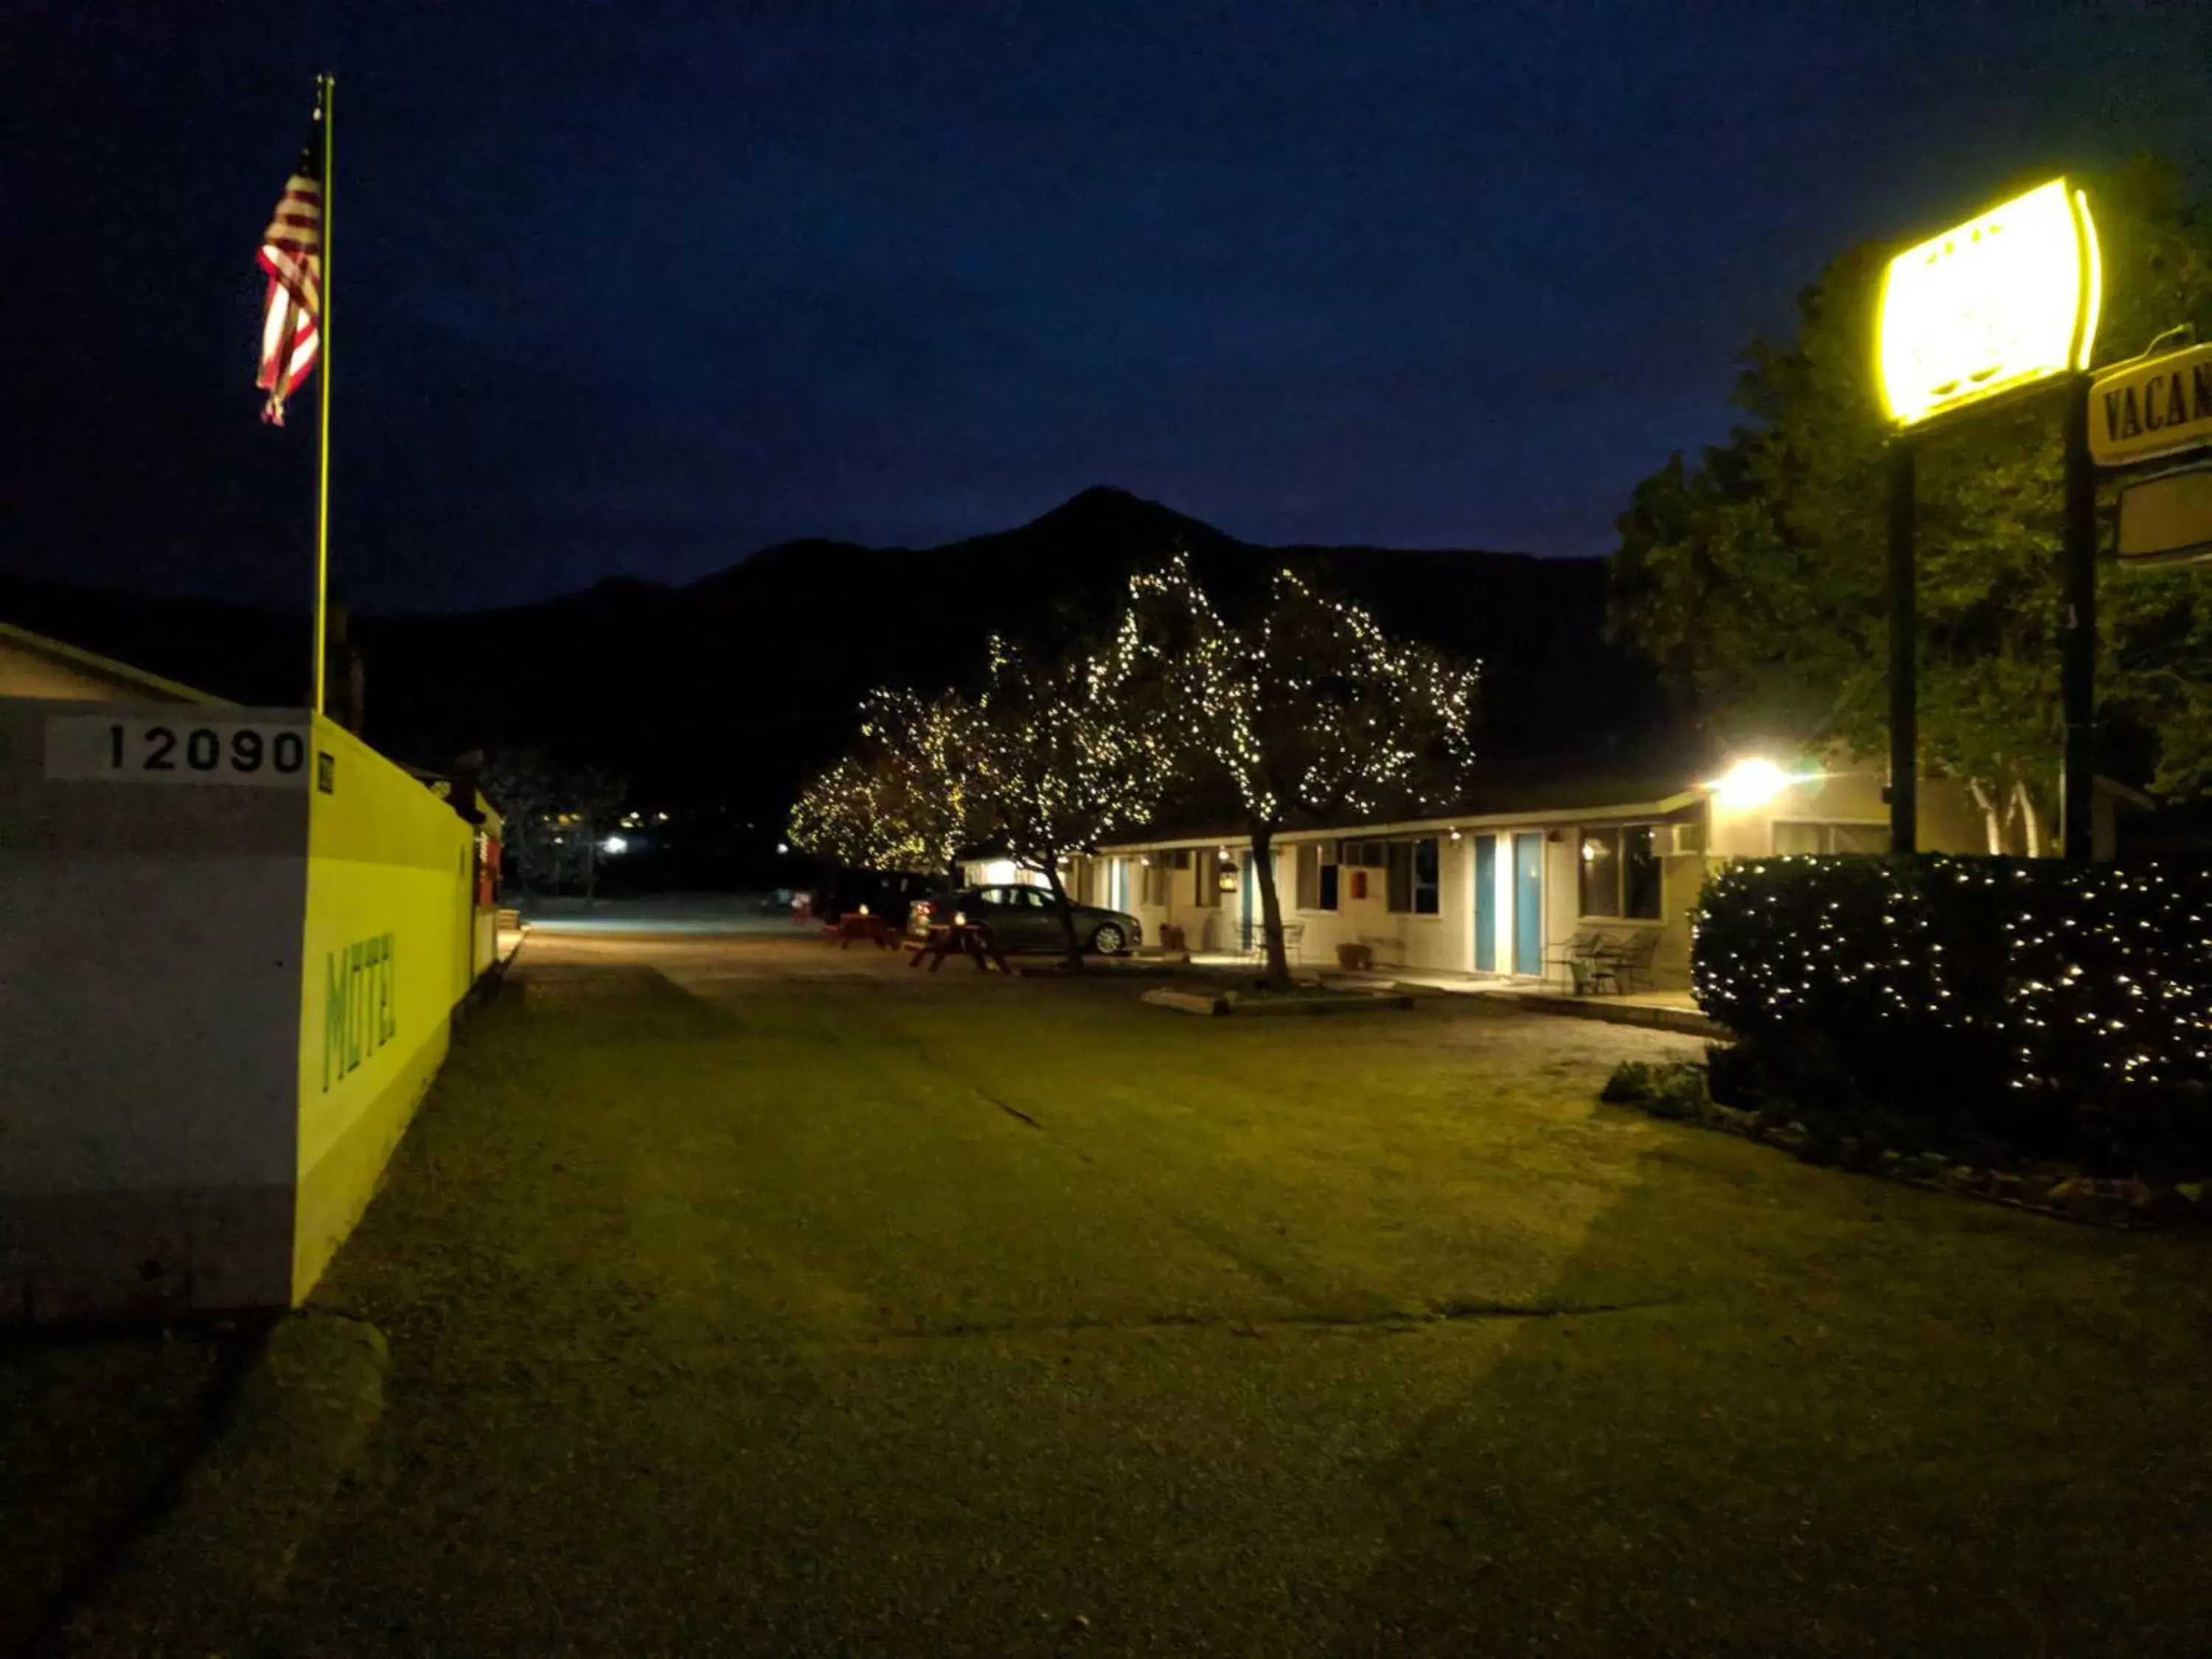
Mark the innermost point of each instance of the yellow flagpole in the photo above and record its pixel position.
(328, 86)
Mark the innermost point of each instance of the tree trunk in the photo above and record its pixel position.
(1271, 906)
(2029, 827)
(1066, 913)
(1992, 825)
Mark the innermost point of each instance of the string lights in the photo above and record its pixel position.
(1307, 711)
(2090, 986)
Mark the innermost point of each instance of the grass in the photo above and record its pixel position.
(95, 1427)
(751, 1297)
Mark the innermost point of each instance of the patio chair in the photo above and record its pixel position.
(1294, 934)
(1625, 964)
(1581, 948)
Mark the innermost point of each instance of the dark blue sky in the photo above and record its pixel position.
(639, 288)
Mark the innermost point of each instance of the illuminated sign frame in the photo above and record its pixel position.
(2002, 302)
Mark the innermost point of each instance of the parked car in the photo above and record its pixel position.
(1022, 919)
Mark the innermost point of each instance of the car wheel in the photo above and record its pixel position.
(1108, 940)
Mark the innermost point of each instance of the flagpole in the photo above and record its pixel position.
(327, 86)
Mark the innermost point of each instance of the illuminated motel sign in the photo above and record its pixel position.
(2000, 302)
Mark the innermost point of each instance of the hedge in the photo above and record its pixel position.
(2056, 1010)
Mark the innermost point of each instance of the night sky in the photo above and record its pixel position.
(639, 289)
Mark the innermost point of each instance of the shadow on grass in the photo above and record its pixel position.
(98, 1427)
(1864, 1421)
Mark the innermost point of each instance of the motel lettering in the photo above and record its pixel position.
(360, 1005)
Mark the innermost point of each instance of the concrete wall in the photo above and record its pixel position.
(222, 992)
(390, 941)
(150, 986)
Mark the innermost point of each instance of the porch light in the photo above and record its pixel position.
(1752, 783)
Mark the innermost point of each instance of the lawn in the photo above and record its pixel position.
(95, 1427)
(785, 1302)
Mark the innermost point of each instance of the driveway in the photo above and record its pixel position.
(748, 1296)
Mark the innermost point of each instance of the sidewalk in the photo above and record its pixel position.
(1665, 1011)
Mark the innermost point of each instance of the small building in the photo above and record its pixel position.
(1500, 885)
(232, 939)
(33, 665)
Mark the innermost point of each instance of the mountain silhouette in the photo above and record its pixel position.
(728, 691)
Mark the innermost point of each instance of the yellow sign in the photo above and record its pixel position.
(2160, 406)
(1994, 304)
(2167, 518)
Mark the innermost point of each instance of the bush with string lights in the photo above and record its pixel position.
(1995, 1003)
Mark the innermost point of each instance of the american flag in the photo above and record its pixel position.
(292, 254)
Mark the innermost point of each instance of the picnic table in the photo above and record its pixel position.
(971, 939)
(856, 924)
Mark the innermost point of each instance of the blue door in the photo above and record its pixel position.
(1529, 903)
(1249, 888)
(1485, 904)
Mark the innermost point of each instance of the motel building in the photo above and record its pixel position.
(1501, 887)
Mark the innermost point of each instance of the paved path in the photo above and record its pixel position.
(754, 1297)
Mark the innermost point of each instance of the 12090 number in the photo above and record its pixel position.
(204, 748)
(176, 751)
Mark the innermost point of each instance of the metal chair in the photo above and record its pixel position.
(1582, 947)
(1626, 963)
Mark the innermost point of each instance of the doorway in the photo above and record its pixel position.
(1485, 904)
(1528, 902)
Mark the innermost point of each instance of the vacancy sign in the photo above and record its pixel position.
(2156, 406)
(1995, 304)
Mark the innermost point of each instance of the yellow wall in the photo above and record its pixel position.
(387, 957)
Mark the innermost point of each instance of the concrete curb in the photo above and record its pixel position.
(1687, 1021)
(197, 1581)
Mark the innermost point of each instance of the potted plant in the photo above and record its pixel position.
(1355, 958)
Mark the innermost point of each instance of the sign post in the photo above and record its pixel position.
(2001, 305)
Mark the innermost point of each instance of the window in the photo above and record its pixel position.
(1316, 875)
(1824, 840)
(1621, 874)
(1413, 879)
(1365, 854)
(1158, 884)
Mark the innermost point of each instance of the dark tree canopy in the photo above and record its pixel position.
(1754, 576)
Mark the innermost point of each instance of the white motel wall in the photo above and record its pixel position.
(231, 942)
(1509, 889)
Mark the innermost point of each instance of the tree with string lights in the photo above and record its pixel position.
(906, 797)
(1067, 749)
(1306, 711)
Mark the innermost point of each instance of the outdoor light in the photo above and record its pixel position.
(864, 910)
(959, 917)
(1752, 783)
(783, 846)
(614, 844)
